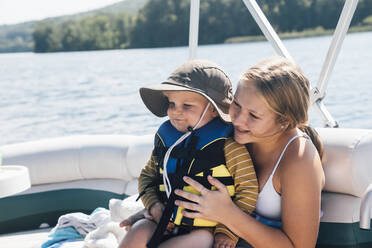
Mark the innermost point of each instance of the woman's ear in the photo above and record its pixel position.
(283, 122)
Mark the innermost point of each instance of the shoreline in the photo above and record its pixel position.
(307, 33)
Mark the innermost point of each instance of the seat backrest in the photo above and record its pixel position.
(81, 157)
(347, 160)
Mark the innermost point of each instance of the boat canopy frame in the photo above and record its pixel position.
(319, 91)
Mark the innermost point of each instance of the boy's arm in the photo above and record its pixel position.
(240, 166)
(147, 176)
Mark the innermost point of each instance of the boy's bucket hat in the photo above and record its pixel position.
(199, 76)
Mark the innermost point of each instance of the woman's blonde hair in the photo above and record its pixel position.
(286, 92)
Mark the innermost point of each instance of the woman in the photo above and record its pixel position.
(269, 115)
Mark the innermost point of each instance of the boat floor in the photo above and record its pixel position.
(31, 239)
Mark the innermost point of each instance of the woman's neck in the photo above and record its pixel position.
(269, 148)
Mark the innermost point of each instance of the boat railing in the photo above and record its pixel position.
(318, 92)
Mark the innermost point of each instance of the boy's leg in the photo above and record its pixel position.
(199, 238)
(139, 234)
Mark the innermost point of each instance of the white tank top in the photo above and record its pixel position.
(269, 201)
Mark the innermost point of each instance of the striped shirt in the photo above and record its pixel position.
(240, 166)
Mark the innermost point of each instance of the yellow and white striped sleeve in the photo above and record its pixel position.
(240, 166)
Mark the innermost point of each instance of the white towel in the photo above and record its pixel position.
(110, 234)
(122, 209)
(107, 236)
(84, 223)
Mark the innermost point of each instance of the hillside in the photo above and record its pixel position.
(164, 23)
(125, 6)
(18, 37)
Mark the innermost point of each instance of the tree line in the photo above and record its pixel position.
(161, 23)
(16, 38)
(103, 31)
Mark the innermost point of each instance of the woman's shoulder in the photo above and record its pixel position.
(301, 158)
(301, 152)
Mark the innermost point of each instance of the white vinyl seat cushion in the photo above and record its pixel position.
(98, 161)
(347, 165)
(347, 161)
(81, 157)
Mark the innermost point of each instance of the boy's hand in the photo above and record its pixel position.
(156, 211)
(221, 240)
(128, 222)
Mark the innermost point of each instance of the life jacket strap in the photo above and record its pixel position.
(181, 170)
(162, 225)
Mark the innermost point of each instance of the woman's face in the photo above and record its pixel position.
(253, 121)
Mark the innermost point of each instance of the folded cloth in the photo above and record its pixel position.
(110, 234)
(84, 223)
(122, 209)
(61, 235)
(107, 236)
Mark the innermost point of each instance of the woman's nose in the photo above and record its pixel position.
(238, 119)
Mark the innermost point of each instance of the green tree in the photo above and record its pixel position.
(46, 38)
(161, 23)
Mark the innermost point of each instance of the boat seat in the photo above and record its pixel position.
(82, 161)
(80, 173)
(347, 164)
(71, 174)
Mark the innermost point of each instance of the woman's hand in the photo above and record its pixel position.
(210, 205)
(128, 222)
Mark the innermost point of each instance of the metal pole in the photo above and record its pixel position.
(365, 209)
(326, 116)
(319, 91)
(343, 24)
(266, 28)
(194, 28)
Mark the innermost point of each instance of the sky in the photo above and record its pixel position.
(16, 11)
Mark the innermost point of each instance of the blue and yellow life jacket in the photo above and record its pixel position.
(200, 155)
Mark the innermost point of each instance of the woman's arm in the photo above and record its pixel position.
(301, 180)
(217, 206)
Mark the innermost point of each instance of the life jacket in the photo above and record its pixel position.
(200, 155)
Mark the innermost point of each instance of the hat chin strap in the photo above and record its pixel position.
(166, 182)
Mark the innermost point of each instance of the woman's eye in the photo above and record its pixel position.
(253, 116)
(186, 106)
(171, 105)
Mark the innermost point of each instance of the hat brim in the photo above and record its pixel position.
(157, 102)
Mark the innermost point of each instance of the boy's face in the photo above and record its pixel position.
(185, 109)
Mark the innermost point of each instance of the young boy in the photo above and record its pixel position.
(195, 141)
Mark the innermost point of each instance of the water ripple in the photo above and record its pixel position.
(59, 94)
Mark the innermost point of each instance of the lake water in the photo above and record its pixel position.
(60, 94)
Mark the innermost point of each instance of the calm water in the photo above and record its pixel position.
(51, 95)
